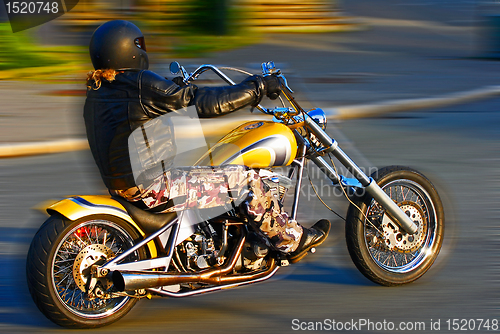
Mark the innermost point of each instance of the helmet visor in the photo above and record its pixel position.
(140, 43)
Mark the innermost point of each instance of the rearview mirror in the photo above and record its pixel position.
(175, 67)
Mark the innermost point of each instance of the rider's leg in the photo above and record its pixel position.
(266, 213)
(212, 187)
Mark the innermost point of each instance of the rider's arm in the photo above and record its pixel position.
(160, 95)
(215, 101)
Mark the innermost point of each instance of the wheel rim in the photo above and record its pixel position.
(387, 254)
(102, 238)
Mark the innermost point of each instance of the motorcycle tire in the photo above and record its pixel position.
(58, 269)
(379, 249)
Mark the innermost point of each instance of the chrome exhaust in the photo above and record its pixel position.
(129, 281)
(135, 280)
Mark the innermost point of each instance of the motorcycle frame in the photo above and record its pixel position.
(329, 145)
(170, 232)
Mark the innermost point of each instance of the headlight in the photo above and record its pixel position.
(318, 116)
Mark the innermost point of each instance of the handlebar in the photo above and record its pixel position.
(268, 68)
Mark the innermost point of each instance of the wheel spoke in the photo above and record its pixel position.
(390, 257)
(80, 239)
(63, 269)
(62, 280)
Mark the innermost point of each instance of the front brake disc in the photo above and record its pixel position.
(398, 240)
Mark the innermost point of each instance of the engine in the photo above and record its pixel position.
(276, 182)
(208, 246)
(201, 251)
(196, 252)
(254, 252)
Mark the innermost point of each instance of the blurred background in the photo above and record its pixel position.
(408, 82)
(192, 28)
(173, 27)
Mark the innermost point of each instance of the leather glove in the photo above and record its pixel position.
(272, 86)
(214, 101)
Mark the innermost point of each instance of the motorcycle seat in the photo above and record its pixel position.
(148, 221)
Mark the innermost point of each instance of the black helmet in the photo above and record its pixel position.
(118, 45)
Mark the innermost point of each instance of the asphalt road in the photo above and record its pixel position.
(457, 148)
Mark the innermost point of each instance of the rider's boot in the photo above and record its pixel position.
(311, 237)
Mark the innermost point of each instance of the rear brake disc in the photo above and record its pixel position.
(95, 254)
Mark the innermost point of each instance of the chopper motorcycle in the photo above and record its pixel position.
(96, 256)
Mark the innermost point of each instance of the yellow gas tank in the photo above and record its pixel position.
(258, 144)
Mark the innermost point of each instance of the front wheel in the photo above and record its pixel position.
(59, 265)
(382, 251)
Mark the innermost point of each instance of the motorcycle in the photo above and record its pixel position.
(96, 256)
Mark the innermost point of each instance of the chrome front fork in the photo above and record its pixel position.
(331, 146)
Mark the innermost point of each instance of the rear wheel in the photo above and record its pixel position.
(382, 251)
(59, 266)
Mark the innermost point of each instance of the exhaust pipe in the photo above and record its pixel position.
(136, 280)
(129, 281)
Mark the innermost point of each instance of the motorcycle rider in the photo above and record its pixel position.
(123, 94)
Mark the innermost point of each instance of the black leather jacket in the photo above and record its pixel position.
(117, 108)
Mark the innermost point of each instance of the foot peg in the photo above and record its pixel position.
(282, 261)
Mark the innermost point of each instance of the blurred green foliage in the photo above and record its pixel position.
(191, 46)
(193, 28)
(179, 28)
(19, 51)
(211, 17)
(21, 57)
